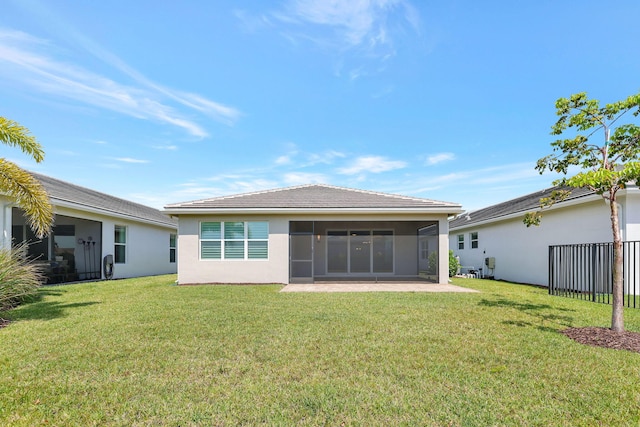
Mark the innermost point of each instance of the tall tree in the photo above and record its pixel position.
(605, 168)
(19, 184)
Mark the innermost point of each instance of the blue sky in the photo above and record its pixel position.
(167, 101)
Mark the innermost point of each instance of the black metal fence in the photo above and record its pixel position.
(585, 271)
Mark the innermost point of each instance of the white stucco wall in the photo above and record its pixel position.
(276, 268)
(147, 248)
(521, 253)
(630, 215)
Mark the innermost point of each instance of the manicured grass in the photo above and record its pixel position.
(146, 352)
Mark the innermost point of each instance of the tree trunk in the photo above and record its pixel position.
(617, 315)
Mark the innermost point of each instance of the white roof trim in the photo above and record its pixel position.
(319, 211)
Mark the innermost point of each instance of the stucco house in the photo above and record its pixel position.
(496, 240)
(90, 226)
(312, 233)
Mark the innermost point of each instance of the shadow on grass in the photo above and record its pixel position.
(540, 314)
(44, 310)
(35, 308)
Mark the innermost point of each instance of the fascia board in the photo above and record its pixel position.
(565, 204)
(308, 211)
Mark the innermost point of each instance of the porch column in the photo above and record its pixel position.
(6, 213)
(443, 250)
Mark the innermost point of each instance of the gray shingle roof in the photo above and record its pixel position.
(61, 191)
(316, 196)
(519, 205)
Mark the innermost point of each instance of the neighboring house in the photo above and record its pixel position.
(91, 226)
(496, 240)
(310, 233)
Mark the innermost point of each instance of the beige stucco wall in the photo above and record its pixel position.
(191, 269)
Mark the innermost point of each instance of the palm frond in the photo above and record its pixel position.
(29, 194)
(15, 135)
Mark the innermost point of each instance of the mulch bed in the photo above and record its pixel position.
(605, 337)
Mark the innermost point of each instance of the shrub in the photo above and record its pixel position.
(19, 277)
(454, 264)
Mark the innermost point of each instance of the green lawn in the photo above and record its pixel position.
(146, 352)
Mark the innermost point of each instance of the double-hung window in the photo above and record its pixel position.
(460, 241)
(474, 240)
(172, 247)
(120, 244)
(234, 240)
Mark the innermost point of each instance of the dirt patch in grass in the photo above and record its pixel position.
(3, 322)
(605, 337)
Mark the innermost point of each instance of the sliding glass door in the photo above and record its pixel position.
(359, 251)
(337, 252)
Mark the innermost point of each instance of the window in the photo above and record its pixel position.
(234, 240)
(474, 240)
(172, 247)
(460, 241)
(120, 246)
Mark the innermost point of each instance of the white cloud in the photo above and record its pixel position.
(356, 23)
(327, 157)
(25, 62)
(439, 158)
(373, 164)
(366, 30)
(300, 178)
(130, 160)
(165, 147)
(283, 160)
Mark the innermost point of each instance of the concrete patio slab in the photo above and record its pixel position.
(375, 287)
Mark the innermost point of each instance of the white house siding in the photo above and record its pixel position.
(276, 268)
(520, 252)
(147, 251)
(630, 215)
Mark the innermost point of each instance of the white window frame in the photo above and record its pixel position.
(473, 238)
(246, 240)
(123, 244)
(460, 242)
(173, 247)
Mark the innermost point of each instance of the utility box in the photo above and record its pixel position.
(490, 262)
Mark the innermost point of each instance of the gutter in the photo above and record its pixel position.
(317, 211)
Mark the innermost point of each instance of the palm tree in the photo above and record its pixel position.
(19, 184)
